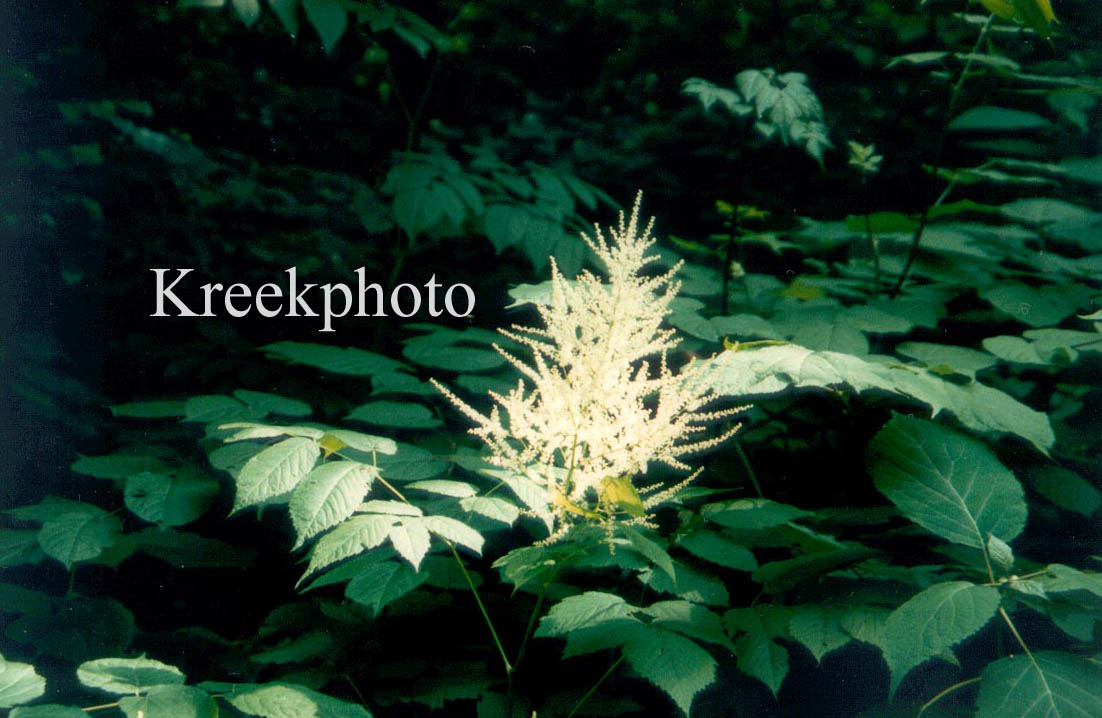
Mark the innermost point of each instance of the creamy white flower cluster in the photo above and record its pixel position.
(603, 403)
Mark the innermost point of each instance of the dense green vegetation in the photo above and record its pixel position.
(886, 224)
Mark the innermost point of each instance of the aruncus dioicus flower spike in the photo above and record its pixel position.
(597, 402)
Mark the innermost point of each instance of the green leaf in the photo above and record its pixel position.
(275, 472)
(296, 649)
(583, 611)
(218, 409)
(170, 702)
(149, 409)
(19, 546)
(942, 357)
(1066, 489)
(1002, 556)
(47, 710)
(328, 495)
(1036, 307)
(718, 549)
(329, 18)
(119, 465)
(78, 535)
(283, 700)
(454, 531)
(19, 683)
(395, 383)
(818, 628)
(996, 119)
(337, 360)
(170, 499)
(445, 487)
(381, 583)
(411, 540)
(947, 483)
(127, 675)
(780, 576)
(749, 514)
(287, 12)
(1060, 685)
(758, 654)
(273, 403)
(672, 662)
(492, 508)
(357, 534)
(650, 550)
(934, 621)
(365, 442)
(687, 583)
(765, 370)
(247, 10)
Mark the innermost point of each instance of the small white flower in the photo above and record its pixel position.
(602, 401)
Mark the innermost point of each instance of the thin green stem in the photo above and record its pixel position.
(749, 469)
(955, 95)
(947, 691)
(482, 608)
(101, 707)
(595, 686)
(532, 618)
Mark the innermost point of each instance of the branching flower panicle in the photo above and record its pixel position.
(603, 403)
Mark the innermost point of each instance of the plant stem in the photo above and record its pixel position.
(946, 692)
(485, 614)
(749, 469)
(954, 96)
(595, 686)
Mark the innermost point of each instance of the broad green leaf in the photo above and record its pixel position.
(356, 535)
(364, 442)
(127, 675)
(765, 370)
(19, 546)
(87, 627)
(718, 549)
(275, 471)
(444, 487)
(149, 409)
(689, 619)
(248, 430)
(758, 654)
(328, 495)
(1002, 556)
(411, 540)
(1065, 579)
(672, 662)
(171, 499)
(1066, 489)
(379, 584)
(273, 403)
(287, 12)
(780, 576)
(1060, 685)
(746, 514)
(949, 484)
(818, 628)
(188, 550)
(247, 10)
(47, 710)
(218, 409)
(687, 583)
(947, 358)
(170, 702)
(492, 508)
(651, 551)
(119, 465)
(1042, 307)
(996, 119)
(934, 621)
(78, 535)
(296, 649)
(404, 415)
(583, 611)
(329, 18)
(285, 700)
(338, 360)
(19, 683)
(454, 531)
(396, 383)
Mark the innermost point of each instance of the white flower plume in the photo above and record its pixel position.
(600, 401)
